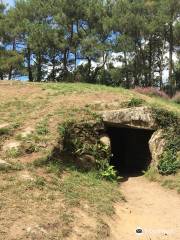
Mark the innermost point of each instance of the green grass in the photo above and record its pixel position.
(5, 131)
(79, 187)
(14, 110)
(13, 152)
(81, 88)
(67, 88)
(42, 127)
(99, 194)
(11, 167)
(171, 181)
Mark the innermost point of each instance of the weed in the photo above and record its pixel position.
(40, 182)
(54, 167)
(135, 102)
(109, 173)
(164, 118)
(5, 131)
(13, 152)
(11, 167)
(40, 162)
(42, 127)
(169, 164)
(152, 174)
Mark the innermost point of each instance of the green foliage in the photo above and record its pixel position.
(11, 167)
(169, 162)
(99, 194)
(5, 131)
(135, 102)
(13, 152)
(109, 173)
(152, 173)
(83, 139)
(42, 127)
(40, 182)
(166, 119)
(82, 34)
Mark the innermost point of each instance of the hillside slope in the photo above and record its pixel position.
(43, 198)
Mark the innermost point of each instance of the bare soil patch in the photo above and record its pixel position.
(148, 206)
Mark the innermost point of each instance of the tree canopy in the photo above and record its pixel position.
(119, 42)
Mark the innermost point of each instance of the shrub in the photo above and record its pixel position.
(135, 102)
(169, 163)
(109, 173)
(152, 92)
(176, 98)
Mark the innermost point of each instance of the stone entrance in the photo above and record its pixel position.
(131, 135)
(135, 139)
(130, 149)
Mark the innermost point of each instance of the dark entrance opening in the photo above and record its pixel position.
(130, 149)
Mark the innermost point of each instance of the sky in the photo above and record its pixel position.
(10, 2)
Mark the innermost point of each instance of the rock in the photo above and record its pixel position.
(138, 117)
(105, 140)
(28, 131)
(87, 162)
(36, 230)
(4, 164)
(26, 176)
(157, 145)
(4, 125)
(11, 145)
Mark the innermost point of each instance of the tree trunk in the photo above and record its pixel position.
(75, 60)
(126, 70)
(135, 73)
(1, 76)
(65, 63)
(53, 67)
(171, 49)
(161, 64)
(39, 67)
(89, 70)
(150, 63)
(142, 61)
(30, 75)
(11, 67)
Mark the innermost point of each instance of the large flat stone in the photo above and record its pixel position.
(137, 117)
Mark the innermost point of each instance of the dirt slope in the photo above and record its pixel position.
(150, 207)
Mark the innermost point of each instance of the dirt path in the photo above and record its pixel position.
(150, 207)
